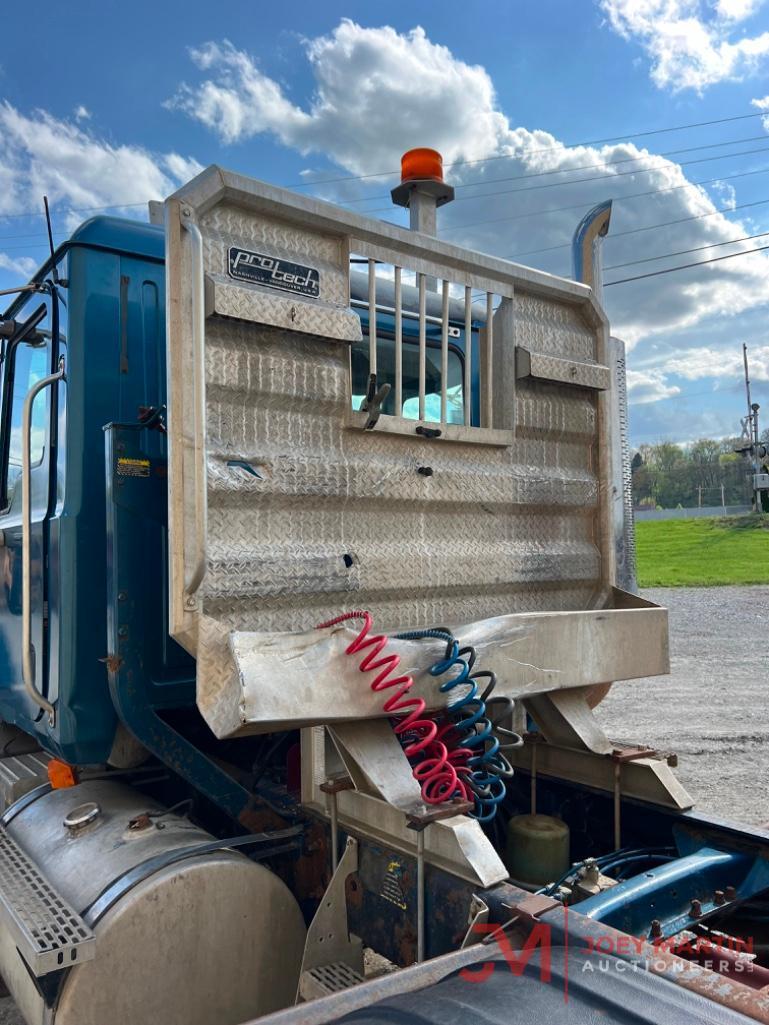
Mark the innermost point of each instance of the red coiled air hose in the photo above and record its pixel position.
(444, 767)
(434, 771)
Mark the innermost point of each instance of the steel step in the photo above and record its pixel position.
(328, 978)
(47, 932)
(21, 773)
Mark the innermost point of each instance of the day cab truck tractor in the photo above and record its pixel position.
(310, 556)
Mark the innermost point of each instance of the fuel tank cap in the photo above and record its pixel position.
(81, 816)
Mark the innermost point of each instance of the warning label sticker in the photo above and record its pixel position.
(133, 467)
(391, 886)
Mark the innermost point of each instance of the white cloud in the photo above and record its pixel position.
(363, 76)
(76, 169)
(692, 44)
(82, 113)
(683, 420)
(702, 362)
(727, 194)
(244, 101)
(649, 386)
(22, 266)
(42, 155)
(763, 104)
(651, 380)
(181, 169)
(737, 10)
(377, 93)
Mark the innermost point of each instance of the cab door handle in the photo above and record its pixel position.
(27, 648)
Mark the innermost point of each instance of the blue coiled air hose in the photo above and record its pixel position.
(471, 723)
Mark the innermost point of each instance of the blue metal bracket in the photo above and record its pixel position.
(681, 893)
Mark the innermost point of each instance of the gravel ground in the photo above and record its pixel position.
(8, 1013)
(713, 710)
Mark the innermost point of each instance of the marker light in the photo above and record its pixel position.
(61, 775)
(422, 177)
(421, 165)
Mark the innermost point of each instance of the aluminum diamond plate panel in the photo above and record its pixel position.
(561, 371)
(288, 312)
(308, 516)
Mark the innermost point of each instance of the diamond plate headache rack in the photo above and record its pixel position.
(265, 423)
(244, 258)
(48, 933)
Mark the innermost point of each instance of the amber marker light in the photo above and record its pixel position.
(61, 775)
(422, 187)
(421, 165)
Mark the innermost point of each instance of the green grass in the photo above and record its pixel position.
(703, 552)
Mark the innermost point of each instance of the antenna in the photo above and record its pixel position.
(54, 272)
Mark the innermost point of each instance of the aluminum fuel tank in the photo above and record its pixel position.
(212, 938)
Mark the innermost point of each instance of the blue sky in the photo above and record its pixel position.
(104, 110)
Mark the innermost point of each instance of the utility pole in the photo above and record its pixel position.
(753, 407)
(747, 380)
(759, 481)
(723, 501)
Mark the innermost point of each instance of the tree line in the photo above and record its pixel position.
(667, 475)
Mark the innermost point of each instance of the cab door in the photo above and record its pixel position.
(30, 356)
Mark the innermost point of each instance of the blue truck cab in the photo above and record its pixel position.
(105, 322)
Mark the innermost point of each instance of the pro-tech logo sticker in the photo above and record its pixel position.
(260, 269)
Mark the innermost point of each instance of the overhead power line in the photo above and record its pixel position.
(663, 256)
(683, 252)
(484, 195)
(616, 199)
(31, 245)
(650, 228)
(74, 210)
(685, 266)
(627, 160)
(536, 213)
(595, 178)
(512, 217)
(590, 167)
(548, 185)
(627, 136)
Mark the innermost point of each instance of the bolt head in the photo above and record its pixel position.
(718, 898)
(656, 928)
(696, 909)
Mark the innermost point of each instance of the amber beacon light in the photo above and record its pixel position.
(422, 188)
(421, 164)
